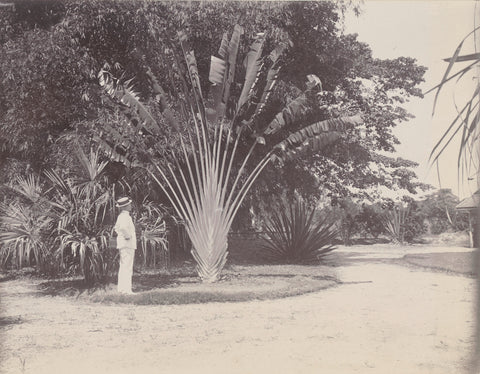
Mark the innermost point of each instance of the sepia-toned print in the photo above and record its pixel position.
(239, 187)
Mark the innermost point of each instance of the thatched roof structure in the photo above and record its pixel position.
(469, 204)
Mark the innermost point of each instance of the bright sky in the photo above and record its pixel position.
(428, 31)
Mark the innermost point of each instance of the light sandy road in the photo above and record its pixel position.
(384, 318)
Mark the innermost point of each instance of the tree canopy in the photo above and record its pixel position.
(51, 52)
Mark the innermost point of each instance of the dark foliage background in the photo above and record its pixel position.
(51, 102)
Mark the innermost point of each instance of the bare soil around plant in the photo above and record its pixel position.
(366, 309)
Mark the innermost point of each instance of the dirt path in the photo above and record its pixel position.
(384, 319)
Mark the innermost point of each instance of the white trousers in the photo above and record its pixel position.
(127, 255)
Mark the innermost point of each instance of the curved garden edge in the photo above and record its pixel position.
(181, 286)
(456, 263)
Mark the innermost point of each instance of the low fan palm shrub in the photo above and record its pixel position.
(25, 224)
(82, 205)
(294, 236)
(23, 235)
(153, 234)
(89, 250)
(61, 222)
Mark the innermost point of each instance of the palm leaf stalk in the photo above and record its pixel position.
(210, 203)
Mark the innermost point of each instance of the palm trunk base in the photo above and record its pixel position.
(209, 267)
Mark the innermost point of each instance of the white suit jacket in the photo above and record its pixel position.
(125, 229)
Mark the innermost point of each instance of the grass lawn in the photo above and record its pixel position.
(451, 262)
(180, 285)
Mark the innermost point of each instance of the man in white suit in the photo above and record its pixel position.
(126, 244)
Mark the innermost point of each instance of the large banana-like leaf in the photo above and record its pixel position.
(223, 50)
(232, 61)
(252, 63)
(261, 89)
(198, 105)
(315, 136)
(296, 110)
(124, 93)
(272, 76)
(218, 71)
(161, 98)
(224, 67)
(191, 62)
(218, 67)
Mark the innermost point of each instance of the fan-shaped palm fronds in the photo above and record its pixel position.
(89, 178)
(89, 251)
(23, 235)
(29, 188)
(80, 204)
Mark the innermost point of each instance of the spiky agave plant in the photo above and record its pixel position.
(209, 181)
(394, 222)
(294, 236)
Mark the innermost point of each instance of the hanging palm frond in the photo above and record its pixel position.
(297, 110)
(315, 136)
(467, 122)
